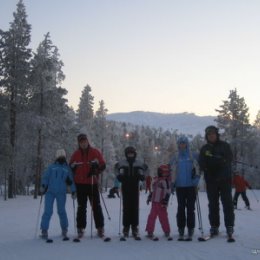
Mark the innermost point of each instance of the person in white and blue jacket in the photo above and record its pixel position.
(54, 184)
(185, 180)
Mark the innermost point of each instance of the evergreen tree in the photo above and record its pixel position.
(257, 121)
(14, 65)
(85, 110)
(100, 130)
(47, 103)
(233, 118)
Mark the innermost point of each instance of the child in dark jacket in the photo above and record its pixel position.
(54, 185)
(159, 198)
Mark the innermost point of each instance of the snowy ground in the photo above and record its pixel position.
(18, 219)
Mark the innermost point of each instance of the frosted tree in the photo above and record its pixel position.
(47, 103)
(85, 110)
(14, 65)
(233, 118)
(257, 121)
(100, 130)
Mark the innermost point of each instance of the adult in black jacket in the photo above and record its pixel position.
(130, 173)
(215, 161)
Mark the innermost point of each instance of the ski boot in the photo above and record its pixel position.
(214, 231)
(100, 232)
(44, 234)
(230, 231)
(181, 234)
(80, 232)
(190, 234)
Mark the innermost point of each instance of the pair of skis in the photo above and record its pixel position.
(230, 238)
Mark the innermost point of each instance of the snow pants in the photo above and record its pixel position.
(85, 192)
(48, 210)
(159, 211)
(244, 197)
(130, 208)
(220, 188)
(186, 197)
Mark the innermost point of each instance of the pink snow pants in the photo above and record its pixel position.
(160, 211)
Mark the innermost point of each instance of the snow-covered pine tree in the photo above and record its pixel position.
(233, 118)
(85, 110)
(48, 106)
(100, 131)
(14, 65)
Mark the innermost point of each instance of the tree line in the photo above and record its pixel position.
(36, 118)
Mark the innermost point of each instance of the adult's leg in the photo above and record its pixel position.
(82, 206)
(213, 199)
(181, 216)
(97, 209)
(191, 198)
(226, 199)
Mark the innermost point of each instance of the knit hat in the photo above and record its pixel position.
(60, 153)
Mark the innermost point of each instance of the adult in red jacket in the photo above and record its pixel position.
(87, 164)
(240, 185)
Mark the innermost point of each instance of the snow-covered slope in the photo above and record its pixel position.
(18, 224)
(186, 123)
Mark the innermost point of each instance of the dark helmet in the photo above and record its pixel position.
(211, 129)
(130, 149)
(164, 170)
(82, 137)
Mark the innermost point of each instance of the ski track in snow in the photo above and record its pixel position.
(18, 225)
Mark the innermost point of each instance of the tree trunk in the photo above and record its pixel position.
(38, 166)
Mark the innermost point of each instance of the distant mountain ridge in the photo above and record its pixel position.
(185, 123)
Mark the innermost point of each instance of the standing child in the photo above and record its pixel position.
(159, 198)
(240, 185)
(54, 185)
(130, 173)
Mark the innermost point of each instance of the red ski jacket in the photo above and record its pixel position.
(240, 183)
(81, 161)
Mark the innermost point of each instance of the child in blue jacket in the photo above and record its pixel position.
(54, 184)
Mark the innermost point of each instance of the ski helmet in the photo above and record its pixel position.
(130, 149)
(164, 170)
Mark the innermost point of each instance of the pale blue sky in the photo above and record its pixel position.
(153, 55)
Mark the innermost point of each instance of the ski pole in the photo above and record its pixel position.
(199, 214)
(255, 196)
(105, 205)
(76, 239)
(38, 218)
(120, 212)
(91, 224)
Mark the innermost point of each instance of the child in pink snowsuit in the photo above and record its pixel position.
(159, 198)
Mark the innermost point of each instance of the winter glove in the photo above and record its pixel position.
(73, 195)
(68, 181)
(43, 189)
(164, 203)
(149, 198)
(94, 168)
(165, 200)
(193, 173)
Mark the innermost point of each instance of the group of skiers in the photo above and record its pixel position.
(181, 176)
